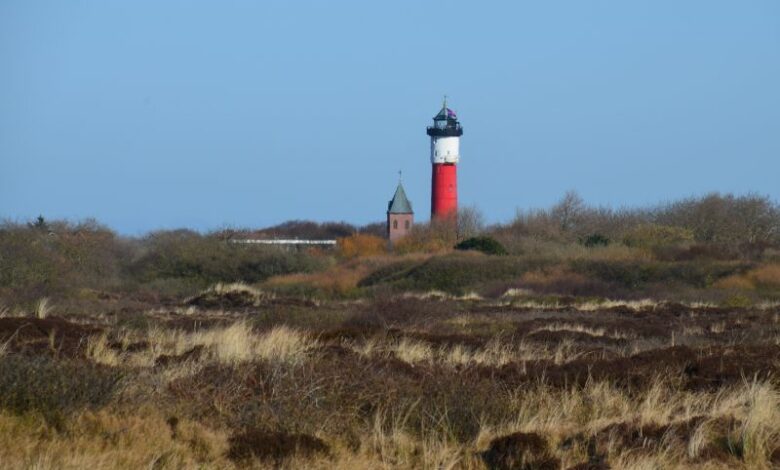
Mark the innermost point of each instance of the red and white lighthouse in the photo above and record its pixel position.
(445, 153)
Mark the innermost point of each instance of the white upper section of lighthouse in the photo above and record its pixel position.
(445, 149)
(445, 136)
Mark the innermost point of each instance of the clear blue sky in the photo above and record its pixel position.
(150, 114)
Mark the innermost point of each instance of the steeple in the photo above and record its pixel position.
(400, 216)
(400, 203)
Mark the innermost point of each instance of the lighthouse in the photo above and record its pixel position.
(445, 153)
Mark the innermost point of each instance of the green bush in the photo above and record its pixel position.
(633, 274)
(459, 273)
(44, 259)
(206, 259)
(389, 273)
(487, 245)
(655, 235)
(595, 239)
(53, 388)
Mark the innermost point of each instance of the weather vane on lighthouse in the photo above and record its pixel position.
(445, 154)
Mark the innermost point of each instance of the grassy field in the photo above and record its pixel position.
(240, 377)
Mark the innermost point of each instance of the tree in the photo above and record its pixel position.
(568, 212)
(39, 224)
(725, 219)
(471, 222)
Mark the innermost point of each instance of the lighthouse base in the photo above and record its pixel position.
(444, 191)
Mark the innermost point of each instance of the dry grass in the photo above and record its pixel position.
(99, 351)
(43, 308)
(734, 282)
(555, 414)
(140, 438)
(239, 288)
(337, 281)
(237, 343)
(391, 445)
(759, 435)
(231, 344)
(519, 298)
(497, 352)
(4, 346)
(592, 331)
(471, 381)
(440, 295)
(145, 438)
(767, 276)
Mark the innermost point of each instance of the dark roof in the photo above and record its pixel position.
(445, 113)
(400, 203)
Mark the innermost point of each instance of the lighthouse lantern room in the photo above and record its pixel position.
(445, 154)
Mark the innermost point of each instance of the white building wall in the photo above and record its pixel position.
(445, 149)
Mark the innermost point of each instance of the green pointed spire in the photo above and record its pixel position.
(400, 203)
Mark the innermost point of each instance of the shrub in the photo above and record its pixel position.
(389, 273)
(273, 446)
(634, 274)
(437, 236)
(394, 312)
(207, 260)
(53, 388)
(594, 239)
(457, 273)
(738, 301)
(734, 282)
(487, 245)
(654, 235)
(522, 451)
(767, 277)
(52, 258)
(307, 229)
(725, 219)
(561, 281)
(358, 245)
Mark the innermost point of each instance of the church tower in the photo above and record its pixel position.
(400, 216)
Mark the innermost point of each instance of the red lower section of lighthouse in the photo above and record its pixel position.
(444, 190)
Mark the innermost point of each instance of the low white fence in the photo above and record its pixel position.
(282, 241)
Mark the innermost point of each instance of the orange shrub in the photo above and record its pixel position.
(551, 276)
(735, 282)
(767, 276)
(360, 245)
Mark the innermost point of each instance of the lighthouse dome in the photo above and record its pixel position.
(445, 114)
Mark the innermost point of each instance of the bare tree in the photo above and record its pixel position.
(725, 219)
(471, 222)
(568, 211)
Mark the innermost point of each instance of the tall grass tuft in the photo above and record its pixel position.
(238, 343)
(759, 436)
(43, 308)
